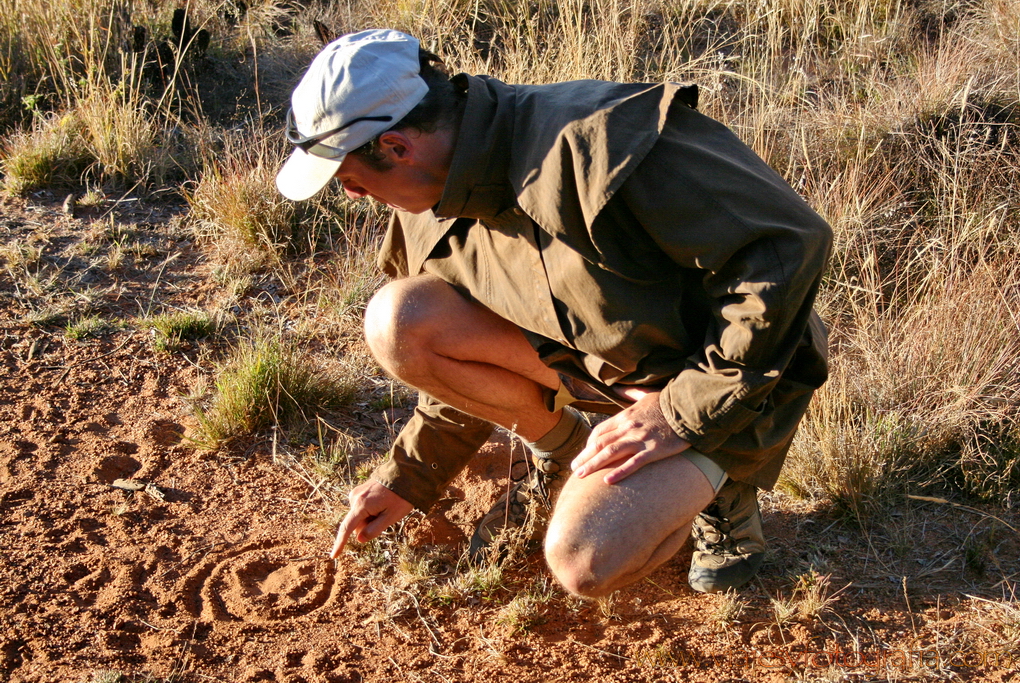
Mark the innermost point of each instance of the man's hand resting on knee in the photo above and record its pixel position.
(628, 441)
(374, 508)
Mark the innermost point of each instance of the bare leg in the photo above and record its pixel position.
(425, 333)
(603, 537)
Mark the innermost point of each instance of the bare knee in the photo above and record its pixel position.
(576, 565)
(402, 319)
(591, 557)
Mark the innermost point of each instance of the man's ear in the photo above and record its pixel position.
(397, 146)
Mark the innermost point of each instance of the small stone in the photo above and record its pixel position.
(128, 484)
(154, 492)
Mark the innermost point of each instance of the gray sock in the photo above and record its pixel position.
(565, 440)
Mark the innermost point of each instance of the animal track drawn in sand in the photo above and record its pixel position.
(262, 582)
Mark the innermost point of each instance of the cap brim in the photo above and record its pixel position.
(305, 174)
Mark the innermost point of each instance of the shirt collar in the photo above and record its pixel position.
(477, 185)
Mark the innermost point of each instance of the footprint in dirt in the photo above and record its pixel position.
(85, 583)
(116, 467)
(164, 432)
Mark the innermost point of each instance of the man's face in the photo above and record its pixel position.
(397, 187)
(413, 174)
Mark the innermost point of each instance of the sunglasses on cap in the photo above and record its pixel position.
(311, 143)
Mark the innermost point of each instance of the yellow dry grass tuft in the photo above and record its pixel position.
(51, 154)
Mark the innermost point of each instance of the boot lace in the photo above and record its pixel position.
(712, 532)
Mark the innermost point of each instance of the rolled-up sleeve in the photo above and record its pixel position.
(432, 448)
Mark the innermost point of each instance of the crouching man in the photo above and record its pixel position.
(580, 246)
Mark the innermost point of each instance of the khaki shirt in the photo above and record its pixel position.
(635, 242)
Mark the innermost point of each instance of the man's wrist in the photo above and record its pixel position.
(682, 431)
(407, 490)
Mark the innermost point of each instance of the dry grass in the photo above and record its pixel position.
(238, 212)
(21, 257)
(51, 154)
(728, 609)
(809, 600)
(999, 619)
(87, 327)
(527, 608)
(898, 121)
(813, 594)
(128, 110)
(121, 135)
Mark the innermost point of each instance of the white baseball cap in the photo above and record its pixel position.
(359, 86)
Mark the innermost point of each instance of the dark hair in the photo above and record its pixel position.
(440, 108)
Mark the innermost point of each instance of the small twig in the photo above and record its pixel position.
(123, 199)
(394, 662)
(669, 593)
(291, 500)
(205, 550)
(944, 567)
(417, 609)
(598, 649)
(438, 654)
(489, 644)
(976, 597)
(910, 610)
(161, 628)
(155, 285)
(943, 501)
(182, 663)
(68, 368)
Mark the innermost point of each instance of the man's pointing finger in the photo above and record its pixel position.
(348, 526)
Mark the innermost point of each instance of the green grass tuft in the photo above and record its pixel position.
(268, 381)
(85, 328)
(172, 330)
(51, 154)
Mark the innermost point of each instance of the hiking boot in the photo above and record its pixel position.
(531, 494)
(728, 542)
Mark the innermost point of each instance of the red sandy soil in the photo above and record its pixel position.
(227, 580)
